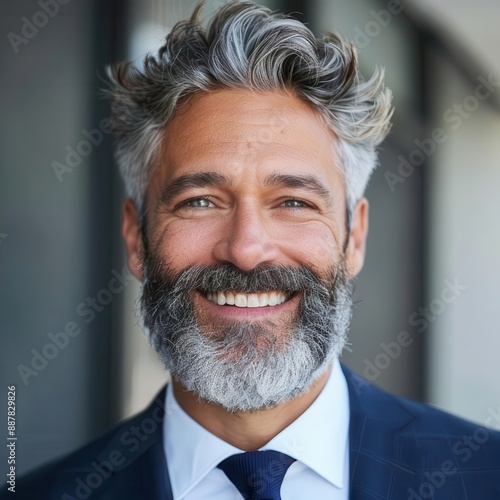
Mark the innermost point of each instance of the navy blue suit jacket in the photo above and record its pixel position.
(398, 450)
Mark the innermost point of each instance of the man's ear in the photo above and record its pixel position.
(356, 246)
(131, 231)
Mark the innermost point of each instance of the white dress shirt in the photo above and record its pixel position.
(318, 440)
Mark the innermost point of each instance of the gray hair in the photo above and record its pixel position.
(248, 46)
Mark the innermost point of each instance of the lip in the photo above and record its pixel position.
(242, 313)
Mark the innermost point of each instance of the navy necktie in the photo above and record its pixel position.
(257, 474)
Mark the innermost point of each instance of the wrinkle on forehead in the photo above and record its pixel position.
(220, 115)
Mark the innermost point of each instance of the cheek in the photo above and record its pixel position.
(312, 244)
(187, 243)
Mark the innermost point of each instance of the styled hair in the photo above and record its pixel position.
(248, 46)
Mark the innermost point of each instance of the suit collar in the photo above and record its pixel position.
(137, 455)
(377, 435)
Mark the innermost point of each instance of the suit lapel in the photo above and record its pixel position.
(376, 461)
(138, 452)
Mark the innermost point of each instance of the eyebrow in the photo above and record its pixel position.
(308, 182)
(192, 181)
(202, 179)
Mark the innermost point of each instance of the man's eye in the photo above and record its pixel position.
(296, 204)
(202, 202)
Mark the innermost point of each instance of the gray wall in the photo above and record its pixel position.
(54, 251)
(464, 346)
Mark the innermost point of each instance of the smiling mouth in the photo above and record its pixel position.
(264, 299)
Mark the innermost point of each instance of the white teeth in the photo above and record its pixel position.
(263, 299)
(240, 300)
(253, 300)
(221, 298)
(247, 300)
(230, 298)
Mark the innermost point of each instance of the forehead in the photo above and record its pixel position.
(243, 134)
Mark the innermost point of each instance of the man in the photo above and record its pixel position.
(245, 149)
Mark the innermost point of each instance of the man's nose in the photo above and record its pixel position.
(247, 241)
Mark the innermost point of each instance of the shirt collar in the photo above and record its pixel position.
(318, 438)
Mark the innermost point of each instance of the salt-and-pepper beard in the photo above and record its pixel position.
(244, 365)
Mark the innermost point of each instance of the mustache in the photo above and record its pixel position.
(228, 277)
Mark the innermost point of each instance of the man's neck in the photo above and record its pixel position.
(245, 430)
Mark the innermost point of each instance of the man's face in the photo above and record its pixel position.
(247, 183)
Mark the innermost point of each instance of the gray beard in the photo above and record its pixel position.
(241, 366)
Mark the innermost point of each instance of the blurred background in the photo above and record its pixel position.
(425, 324)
